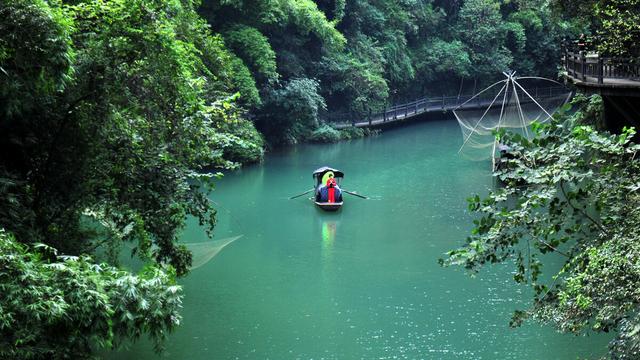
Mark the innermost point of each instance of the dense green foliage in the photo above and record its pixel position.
(570, 196)
(614, 23)
(127, 111)
(366, 55)
(291, 111)
(327, 134)
(56, 307)
(254, 49)
(620, 30)
(111, 112)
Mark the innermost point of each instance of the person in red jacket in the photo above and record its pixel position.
(333, 190)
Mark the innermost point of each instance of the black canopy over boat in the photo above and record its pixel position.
(323, 170)
(321, 176)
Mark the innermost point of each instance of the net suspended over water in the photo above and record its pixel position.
(513, 104)
(203, 252)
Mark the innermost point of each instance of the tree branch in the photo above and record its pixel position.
(597, 224)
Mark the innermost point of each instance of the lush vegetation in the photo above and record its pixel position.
(569, 196)
(111, 114)
(115, 116)
(56, 307)
(329, 58)
(613, 24)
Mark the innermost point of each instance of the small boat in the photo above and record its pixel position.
(321, 176)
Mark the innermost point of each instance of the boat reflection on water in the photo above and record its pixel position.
(329, 233)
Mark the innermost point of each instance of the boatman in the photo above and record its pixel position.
(333, 191)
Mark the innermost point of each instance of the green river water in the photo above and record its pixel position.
(363, 283)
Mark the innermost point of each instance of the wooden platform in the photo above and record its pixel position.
(606, 76)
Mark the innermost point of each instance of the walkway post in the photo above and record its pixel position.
(384, 114)
(583, 60)
(369, 116)
(442, 102)
(600, 69)
(566, 60)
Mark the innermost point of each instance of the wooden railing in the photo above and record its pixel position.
(427, 104)
(598, 69)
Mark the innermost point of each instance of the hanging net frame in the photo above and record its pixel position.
(513, 103)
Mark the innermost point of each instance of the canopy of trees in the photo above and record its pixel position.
(614, 24)
(111, 112)
(365, 55)
(56, 307)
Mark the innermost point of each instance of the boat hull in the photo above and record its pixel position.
(326, 206)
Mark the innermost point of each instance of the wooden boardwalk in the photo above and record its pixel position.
(603, 75)
(427, 105)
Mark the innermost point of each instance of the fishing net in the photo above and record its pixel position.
(203, 252)
(512, 104)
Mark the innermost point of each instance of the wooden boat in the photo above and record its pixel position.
(329, 206)
(320, 177)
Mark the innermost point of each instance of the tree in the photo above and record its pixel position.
(614, 22)
(620, 30)
(571, 192)
(254, 49)
(483, 31)
(355, 82)
(537, 42)
(35, 54)
(140, 109)
(290, 112)
(395, 50)
(440, 60)
(58, 307)
(111, 114)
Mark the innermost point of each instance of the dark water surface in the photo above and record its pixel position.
(363, 283)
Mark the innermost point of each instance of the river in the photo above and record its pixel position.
(363, 283)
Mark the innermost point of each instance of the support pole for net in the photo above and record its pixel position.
(478, 94)
(534, 100)
(483, 115)
(493, 153)
(524, 125)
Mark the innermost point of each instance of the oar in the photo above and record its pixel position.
(304, 193)
(354, 194)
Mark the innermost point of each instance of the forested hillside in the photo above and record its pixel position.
(311, 59)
